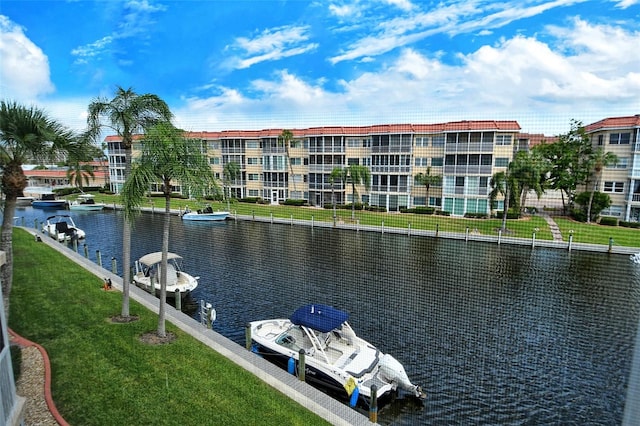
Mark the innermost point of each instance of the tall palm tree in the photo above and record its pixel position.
(427, 179)
(528, 170)
(126, 114)
(285, 139)
(230, 172)
(357, 175)
(502, 183)
(166, 157)
(25, 133)
(600, 160)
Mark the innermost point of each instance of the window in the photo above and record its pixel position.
(503, 139)
(254, 193)
(437, 161)
(214, 160)
(459, 181)
(438, 140)
(619, 138)
(617, 187)
(297, 161)
(214, 145)
(422, 141)
(600, 139)
(253, 176)
(353, 161)
(419, 201)
(623, 163)
(502, 162)
(422, 161)
(253, 144)
(253, 161)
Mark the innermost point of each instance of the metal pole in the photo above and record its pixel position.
(178, 300)
(570, 241)
(301, 366)
(499, 235)
(114, 265)
(373, 407)
(99, 258)
(437, 229)
(86, 251)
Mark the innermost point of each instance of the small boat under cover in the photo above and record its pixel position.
(86, 202)
(63, 227)
(147, 273)
(49, 201)
(336, 360)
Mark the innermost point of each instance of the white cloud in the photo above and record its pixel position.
(272, 44)
(24, 68)
(543, 85)
(624, 4)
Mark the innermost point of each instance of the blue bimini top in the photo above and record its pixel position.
(322, 318)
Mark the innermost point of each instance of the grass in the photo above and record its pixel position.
(520, 228)
(102, 374)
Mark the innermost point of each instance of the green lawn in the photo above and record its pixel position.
(103, 374)
(520, 228)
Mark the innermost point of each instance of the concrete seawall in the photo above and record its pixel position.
(319, 403)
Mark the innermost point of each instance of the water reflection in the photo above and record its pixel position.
(495, 334)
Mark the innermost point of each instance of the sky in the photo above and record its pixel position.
(239, 64)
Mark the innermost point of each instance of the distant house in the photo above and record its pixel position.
(39, 180)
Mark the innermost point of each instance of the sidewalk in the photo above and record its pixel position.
(553, 227)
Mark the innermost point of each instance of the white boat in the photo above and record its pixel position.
(635, 258)
(62, 228)
(49, 201)
(206, 214)
(24, 201)
(148, 273)
(336, 360)
(86, 202)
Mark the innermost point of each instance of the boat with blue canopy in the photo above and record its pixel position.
(336, 360)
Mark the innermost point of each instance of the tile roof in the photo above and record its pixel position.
(454, 126)
(614, 123)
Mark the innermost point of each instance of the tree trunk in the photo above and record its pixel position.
(506, 207)
(6, 245)
(126, 248)
(162, 331)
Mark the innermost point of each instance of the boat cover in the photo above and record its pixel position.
(322, 318)
(153, 258)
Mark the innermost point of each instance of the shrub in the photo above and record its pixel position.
(476, 215)
(629, 224)
(294, 202)
(510, 214)
(442, 213)
(609, 221)
(380, 209)
(252, 200)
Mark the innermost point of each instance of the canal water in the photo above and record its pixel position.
(495, 334)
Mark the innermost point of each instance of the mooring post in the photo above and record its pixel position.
(311, 221)
(301, 365)
(86, 251)
(271, 215)
(570, 239)
(610, 244)
(114, 265)
(247, 336)
(409, 229)
(99, 258)
(178, 300)
(291, 219)
(382, 227)
(437, 229)
(253, 213)
(499, 235)
(373, 406)
(533, 239)
(466, 234)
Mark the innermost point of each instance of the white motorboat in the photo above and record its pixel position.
(205, 214)
(86, 202)
(336, 360)
(147, 274)
(24, 201)
(62, 228)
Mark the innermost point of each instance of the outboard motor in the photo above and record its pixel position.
(392, 371)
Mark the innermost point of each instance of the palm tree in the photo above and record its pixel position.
(79, 170)
(230, 172)
(126, 114)
(427, 179)
(600, 160)
(502, 183)
(528, 170)
(166, 157)
(285, 139)
(358, 175)
(25, 133)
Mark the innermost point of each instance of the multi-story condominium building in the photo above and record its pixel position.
(465, 154)
(621, 136)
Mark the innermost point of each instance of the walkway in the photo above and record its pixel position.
(553, 227)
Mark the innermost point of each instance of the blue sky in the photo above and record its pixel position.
(231, 65)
